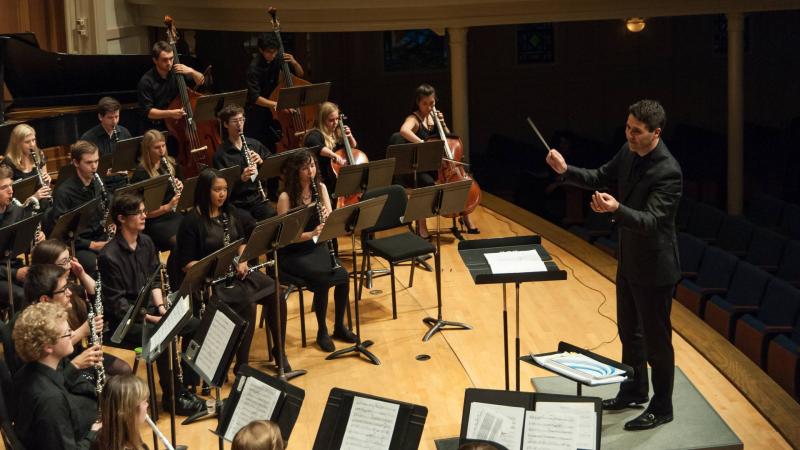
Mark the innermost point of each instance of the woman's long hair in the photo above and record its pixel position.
(119, 402)
(291, 174)
(202, 193)
(423, 90)
(325, 110)
(14, 149)
(149, 139)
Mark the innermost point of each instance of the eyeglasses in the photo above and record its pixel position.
(238, 120)
(60, 291)
(67, 334)
(140, 212)
(63, 261)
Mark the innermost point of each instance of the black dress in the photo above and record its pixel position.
(315, 138)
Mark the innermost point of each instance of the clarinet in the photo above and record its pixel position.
(315, 198)
(96, 336)
(105, 204)
(246, 153)
(37, 162)
(172, 181)
(169, 298)
(226, 241)
(114, 135)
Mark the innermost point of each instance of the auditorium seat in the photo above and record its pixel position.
(790, 221)
(783, 360)
(734, 235)
(776, 315)
(609, 244)
(765, 210)
(714, 277)
(766, 249)
(691, 251)
(705, 222)
(789, 269)
(594, 226)
(747, 289)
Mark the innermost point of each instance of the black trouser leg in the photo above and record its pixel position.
(321, 308)
(341, 294)
(633, 349)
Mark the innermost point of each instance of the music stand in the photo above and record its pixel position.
(16, 239)
(208, 106)
(151, 190)
(127, 320)
(25, 188)
(305, 95)
(350, 220)
(416, 157)
(123, 158)
(231, 174)
(187, 194)
(438, 200)
(273, 165)
(69, 224)
(345, 408)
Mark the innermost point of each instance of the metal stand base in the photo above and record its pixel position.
(293, 374)
(357, 348)
(440, 324)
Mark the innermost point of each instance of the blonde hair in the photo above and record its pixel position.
(119, 402)
(149, 139)
(37, 327)
(325, 110)
(258, 435)
(14, 149)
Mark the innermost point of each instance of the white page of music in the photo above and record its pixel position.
(549, 430)
(219, 333)
(515, 262)
(180, 309)
(587, 419)
(257, 402)
(371, 425)
(496, 423)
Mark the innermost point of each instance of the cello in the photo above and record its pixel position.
(197, 142)
(353, 156)
(452, 169)
(294, 122)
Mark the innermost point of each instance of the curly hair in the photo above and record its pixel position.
(37, 326)
(291, 173)
(258, 435)
(119, 402)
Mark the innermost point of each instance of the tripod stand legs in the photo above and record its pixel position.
(439, 325)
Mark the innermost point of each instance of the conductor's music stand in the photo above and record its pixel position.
(305, 95)
(350, 220)
(16, 239)
(438, 200)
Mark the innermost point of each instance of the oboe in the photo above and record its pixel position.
(315, 198)
(158, 433)
(169, 297)
(106, 205)
(96, 336)
(172, 180)
(246, 153)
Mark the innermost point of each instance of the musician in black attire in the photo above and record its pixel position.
(263, 76)
(326, 134)
(10, 214)
(76, 191)
(19, 157)
(126, 264)
(206, 229)
(105, 136)
(248, 196)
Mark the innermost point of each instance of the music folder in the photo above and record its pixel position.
(520, 420)
(167, 328)
(258, 396)
(353, 420)
(135, 309)
(212, 348)
(152, 191)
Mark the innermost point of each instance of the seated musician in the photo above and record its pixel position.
(20, 158)
(56, 405)
(125, 265)
(76, 191)
(263, 76)
(209, 226)
(248, 196)
(158, 86)
(124, 404)
(419, 126)
(326, 134)
(105, 136)
(258, 435)
(10, 213)
(309, 261)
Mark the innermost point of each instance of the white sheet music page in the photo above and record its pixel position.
(515, 262)
(179, 309)
(587, 419)
(219, 333)
(497, 423)
(371, 425)
(550, 431)
(257, 402)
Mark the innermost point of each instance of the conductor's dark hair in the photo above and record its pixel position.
(160, 46)
(42, 279)
(268, 41)
(649, 112)
(229, 111)
(107, 105)
(126, 204)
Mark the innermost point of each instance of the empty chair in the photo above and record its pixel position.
(765, 210)
(789, 269)
(596, 225)
(714, 277)
(691, 251)
(744, 296)
(685, 209)
(766, 249)
(790, 221)
(783, 361)
(776, 315)
(734, 235)
(705, 222)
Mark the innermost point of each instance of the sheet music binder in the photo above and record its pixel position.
(213, 308)
(407, 430)
(526, 400)
(286, 410)
(150, 354)
(566, 347)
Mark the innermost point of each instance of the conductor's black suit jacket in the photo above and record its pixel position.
(649, 189)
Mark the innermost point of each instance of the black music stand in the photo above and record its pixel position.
(16, 239)
(404, 420)
(152, 191)
(305, 95)
(255, 392)
(126, 151)
(187, 194)
(25, 187)
(231, 174)
(208, 106)
(69, 224)
(273, 165)
(438, 200)
(416, 157)
(350, 220)
(473, 254)
(269, 236)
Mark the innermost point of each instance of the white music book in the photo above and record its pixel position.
(522, 261)
(179, 310)
(256, 402)
(580, 367)
(496, 423)
(217, 338)
(370, 425)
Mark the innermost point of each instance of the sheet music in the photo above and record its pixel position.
(371, 425)
(550, 431)
(257, 402)
(587, 419)
(515, 262)
(497, 423)
(219, 333)
(179, 310)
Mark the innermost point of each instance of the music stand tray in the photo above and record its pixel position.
(127, 321)
(73, 221)
(416, 157)
(152, 191)
(273, 164)
(298, 96)
(261, 239)
(212, 348)
(474, 252)
(208, 106)
(187, 194)
(25, 188)
(364, 177)
(232, 175)
(16, 238)
(123, 158)
(167, 328)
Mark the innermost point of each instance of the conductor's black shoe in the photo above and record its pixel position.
(648, 420)
(344, 334)
(325, 343)
(184, 404)
(617, 403)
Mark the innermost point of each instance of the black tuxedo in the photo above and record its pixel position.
(649, 189)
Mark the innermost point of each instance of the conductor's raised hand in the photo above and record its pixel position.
(603, 202)
(556, 161)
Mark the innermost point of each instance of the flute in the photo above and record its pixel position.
(158, 433)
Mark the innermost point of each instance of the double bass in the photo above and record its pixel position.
(294, 122)
(197, 142)
(452, 170)
(353, 156)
